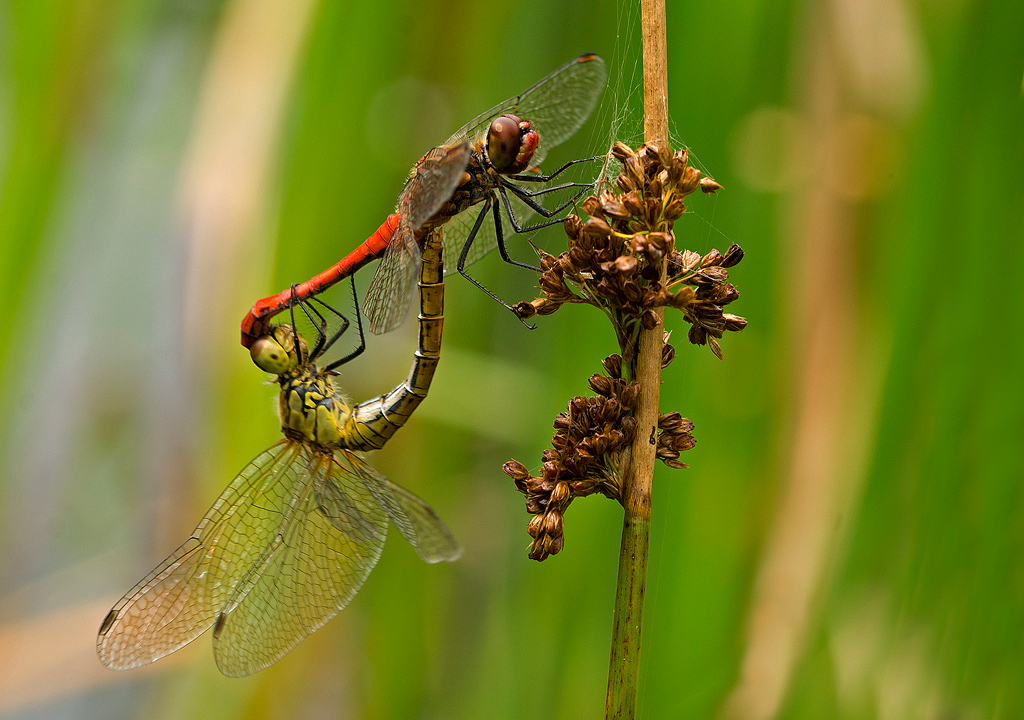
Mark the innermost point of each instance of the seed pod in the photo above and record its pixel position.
(561, 494)
(683, 297)
(664, 153)
(725, 294)
(630, 395)
(670, 421)
(613, 365)
(546, 306)
(633, 204)
(676, 171)
(615, 208)
(578, 406)
(536, 526)
(734, 323)
(661, 240)
(621, 151)
(668, 354)
(714, 274)
(634, 170)
(601, 384)
(653, 253)
(732, 256)
(553, 523)
(708, 186)
(690, 181)
(649, 319)
(626, 263)
(515, 470)
(697, 335)
(591, 206)
(656, 187)
(578, 257)
(715, 347)
(631, 291)
(572, 226)
(596, 228)
(712, 258)
(674, 209)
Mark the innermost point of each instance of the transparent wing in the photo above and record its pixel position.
(557, 105)
(432, 183)
(181, 598)
(390, 293)
(430, 186)
(458, 228)
(311, 569)
(416, 520)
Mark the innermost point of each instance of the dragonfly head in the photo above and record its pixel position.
(276, 352)
(511, 143)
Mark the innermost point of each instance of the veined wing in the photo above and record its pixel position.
(430, 186)
(182, 597)
(309, 571)
(432, 182)
(416, 520)
(557, 105)
(394, 283)
(458, 228)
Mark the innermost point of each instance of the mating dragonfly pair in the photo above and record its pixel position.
(294, 536)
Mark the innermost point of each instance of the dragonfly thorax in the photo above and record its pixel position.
(311, 408)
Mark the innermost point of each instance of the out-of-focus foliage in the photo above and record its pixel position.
(848, 540)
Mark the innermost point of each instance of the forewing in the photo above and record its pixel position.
(182, 597)
(394, 284)
(313, 568)
(416, 520)
(557, 105)
(432, 183)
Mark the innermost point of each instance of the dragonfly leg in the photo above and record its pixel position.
(538, 208)
(319, 321)
(359, 325)
(535, 177)
(461, 265)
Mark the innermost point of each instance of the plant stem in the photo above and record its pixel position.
(624, 670)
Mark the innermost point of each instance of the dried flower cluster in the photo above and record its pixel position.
(613, 258)
(614, 261)
(588, 453)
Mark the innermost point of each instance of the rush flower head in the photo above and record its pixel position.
(614, 262)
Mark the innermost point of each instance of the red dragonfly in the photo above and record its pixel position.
(484, 162)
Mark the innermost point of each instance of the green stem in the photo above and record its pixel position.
(627, 623)
(624, 673)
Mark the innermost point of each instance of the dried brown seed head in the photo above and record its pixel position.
(709, 186)
(613, 365)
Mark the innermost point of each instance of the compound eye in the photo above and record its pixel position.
(503, 141)
(269, 355)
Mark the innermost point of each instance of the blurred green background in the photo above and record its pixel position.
(848, 541)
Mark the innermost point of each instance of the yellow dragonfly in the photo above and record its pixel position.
(294, 536)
